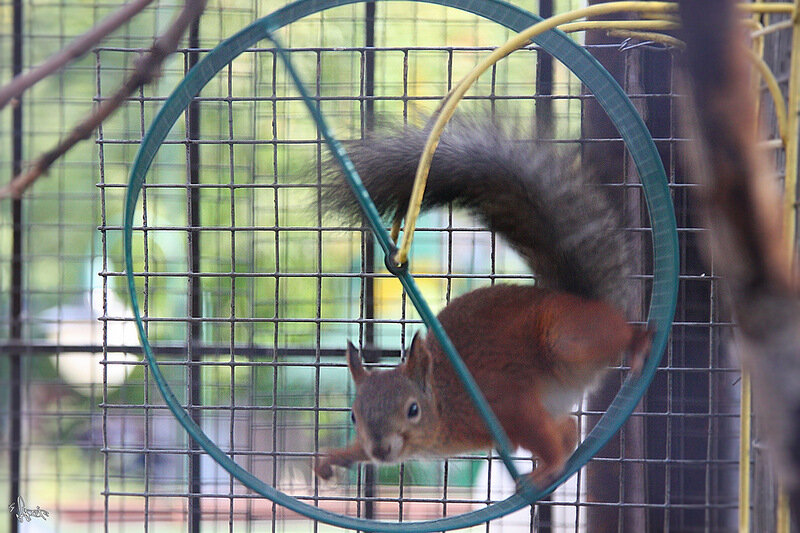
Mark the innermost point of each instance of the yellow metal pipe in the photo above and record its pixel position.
(753, 24)
(790, 200)
(758, 40)
(521, 39)
(745, 434)
(517, 41)
(792, 134)
(746, 402)
(648, 36)
(772, 28)
(774, 91)
(660, 16)
(619, 24)
(764, 7)
(783, 523)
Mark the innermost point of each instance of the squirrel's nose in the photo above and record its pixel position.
(381, 452)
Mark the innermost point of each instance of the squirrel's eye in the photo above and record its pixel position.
(352, 417)
(413, 410)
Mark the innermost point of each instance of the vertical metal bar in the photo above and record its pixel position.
(318, 303)
(603, 476)
(195, 294)
(15, 333)
(232, 330)
(250, 245)
(793, 134)
(369, 244)
(790, 207)
(276, 309)
(104, 254)
(369, 66)
(667, 385)
(745, 405)
(148, 416)
(544, 81)
(448, 290)
(633, 485)
(544, 130)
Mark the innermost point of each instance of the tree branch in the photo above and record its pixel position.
(146, 69)
(73, 50)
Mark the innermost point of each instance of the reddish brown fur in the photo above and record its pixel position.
(518, 342)
(514, 340)
(343, 457)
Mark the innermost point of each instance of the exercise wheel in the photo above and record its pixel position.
(638, 142)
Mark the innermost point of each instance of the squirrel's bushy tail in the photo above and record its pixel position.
(551, 213)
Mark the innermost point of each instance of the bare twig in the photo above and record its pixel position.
(72, 51)
(741, 202)
(146, 68)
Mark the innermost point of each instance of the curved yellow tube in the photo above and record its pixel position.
(774, 91)
(772, 28)
(619, 24)
(767, 7)
(648, 36)
(565, 22)
(455, 96)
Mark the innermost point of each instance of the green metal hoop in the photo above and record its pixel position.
(654, 182)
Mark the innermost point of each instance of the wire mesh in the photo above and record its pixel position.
(250, 294)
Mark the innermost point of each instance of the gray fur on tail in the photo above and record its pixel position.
(551, 213)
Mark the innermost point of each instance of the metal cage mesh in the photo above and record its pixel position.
(250, 295)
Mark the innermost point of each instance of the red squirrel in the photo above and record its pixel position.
(533, 350)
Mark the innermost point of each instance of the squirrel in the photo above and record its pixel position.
(533, 350)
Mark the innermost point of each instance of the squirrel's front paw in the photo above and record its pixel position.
(544, 474)
(532, 482)
(323, 469)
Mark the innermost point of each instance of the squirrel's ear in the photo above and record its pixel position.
(357, 369)
(418, 362)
